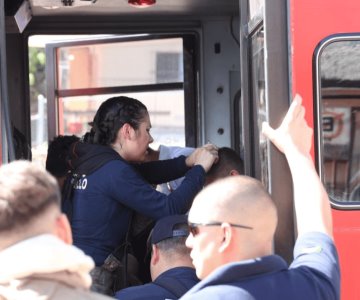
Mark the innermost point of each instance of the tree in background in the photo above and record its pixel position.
(37, 80)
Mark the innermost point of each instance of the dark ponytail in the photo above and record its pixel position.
(112, 115)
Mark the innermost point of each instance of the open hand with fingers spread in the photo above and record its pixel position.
(293, 133)
(204, 156)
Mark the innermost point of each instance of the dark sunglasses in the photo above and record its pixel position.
(194, 227)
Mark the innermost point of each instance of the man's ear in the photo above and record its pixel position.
(227, 237)
(155, 255)
(234, 173)
(63, 229)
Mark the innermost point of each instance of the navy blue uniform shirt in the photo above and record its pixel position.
(180, 280)
(103, 200)
(313, 275)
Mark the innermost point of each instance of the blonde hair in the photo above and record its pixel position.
(26, 191)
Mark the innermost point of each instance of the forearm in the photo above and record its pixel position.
(313, 211)
(163, 170)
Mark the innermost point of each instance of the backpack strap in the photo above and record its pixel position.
(67, 195)
(172, 285)
(83, 159)
(121, 251)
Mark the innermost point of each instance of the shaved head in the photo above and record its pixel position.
(235, 200)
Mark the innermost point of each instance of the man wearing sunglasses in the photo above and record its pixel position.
(233, 221)
(172, 271)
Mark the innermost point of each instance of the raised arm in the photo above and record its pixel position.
(161, 171)
(294, 138)
(204, 156)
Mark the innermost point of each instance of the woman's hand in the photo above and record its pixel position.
(204, 156)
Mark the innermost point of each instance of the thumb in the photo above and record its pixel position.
(268, 131)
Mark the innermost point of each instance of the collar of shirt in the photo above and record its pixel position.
(243, 270)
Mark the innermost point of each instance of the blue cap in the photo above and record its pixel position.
(164, 228)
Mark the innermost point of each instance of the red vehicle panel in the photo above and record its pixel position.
(311, 22)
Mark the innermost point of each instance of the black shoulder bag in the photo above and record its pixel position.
(120, 269)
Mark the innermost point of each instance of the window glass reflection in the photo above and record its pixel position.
(340, 107)
(259, 101)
